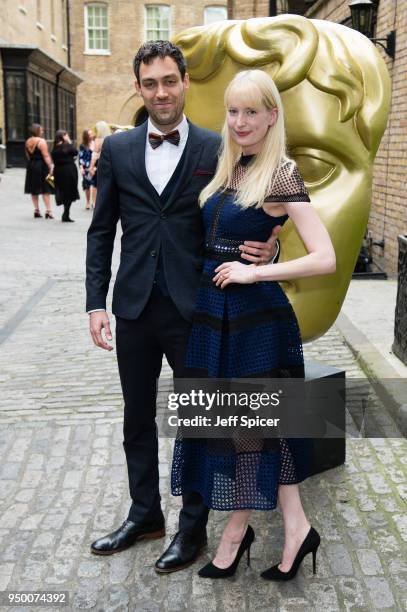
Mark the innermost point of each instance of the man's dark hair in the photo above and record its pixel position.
(159, 48)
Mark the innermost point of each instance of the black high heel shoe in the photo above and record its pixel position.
(309, 545)
(211, 571)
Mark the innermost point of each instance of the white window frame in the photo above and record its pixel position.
(146, 29)
(216, 6)
(96, 51)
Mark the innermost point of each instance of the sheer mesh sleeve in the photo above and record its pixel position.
(289, 186)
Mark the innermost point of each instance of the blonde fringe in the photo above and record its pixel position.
(263, 171)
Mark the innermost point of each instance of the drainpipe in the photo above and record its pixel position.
(57, 126)
(68, 32)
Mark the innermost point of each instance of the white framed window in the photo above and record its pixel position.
(282, 7)
(157, 22)
(215, 13)
(96, 29)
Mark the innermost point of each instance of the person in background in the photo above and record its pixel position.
(85, 157)
(102, 130)
(65, 173)
(39, 165)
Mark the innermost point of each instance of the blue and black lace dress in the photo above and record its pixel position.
(242, 331)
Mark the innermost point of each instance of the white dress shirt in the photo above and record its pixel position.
(162, 161)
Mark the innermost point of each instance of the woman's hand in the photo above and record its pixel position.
(234, 272)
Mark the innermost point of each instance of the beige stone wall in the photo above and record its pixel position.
(108, 88)
(388, 216)
(246, 9)
(19, 25)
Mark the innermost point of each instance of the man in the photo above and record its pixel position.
(150, 178)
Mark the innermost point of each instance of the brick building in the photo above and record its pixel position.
(388, 217)
(36, 82)
(47, 47)
(106, 36)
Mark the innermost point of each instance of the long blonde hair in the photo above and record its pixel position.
(254, 88)
(102, 129)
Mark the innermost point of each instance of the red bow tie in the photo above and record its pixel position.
(156, 140)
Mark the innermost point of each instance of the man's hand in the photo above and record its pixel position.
(99, 321)
(260, 252)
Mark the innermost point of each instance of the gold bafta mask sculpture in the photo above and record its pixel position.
(335, 89)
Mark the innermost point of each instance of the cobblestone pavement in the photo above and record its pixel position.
(63, 479)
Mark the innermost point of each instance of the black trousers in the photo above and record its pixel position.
(141, 343)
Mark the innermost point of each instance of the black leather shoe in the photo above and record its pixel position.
(184, 549)
(128, 534)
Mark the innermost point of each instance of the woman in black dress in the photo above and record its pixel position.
(39, 165)
(65, 172)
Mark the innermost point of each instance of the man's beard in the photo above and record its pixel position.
(169, 118)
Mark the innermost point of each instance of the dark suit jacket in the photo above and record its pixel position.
(175, 228)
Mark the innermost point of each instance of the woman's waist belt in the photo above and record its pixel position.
(225, 249)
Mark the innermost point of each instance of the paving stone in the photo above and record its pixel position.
(6, 571)
(24, 495)
(10, 471)
(339, 560)
(369, 562)
(118, 599)
(13, 515)
(120, 568)
(85, 596)
(380, 593)
(352, 595)
(72, 480)
(90, 569)
(360, 537)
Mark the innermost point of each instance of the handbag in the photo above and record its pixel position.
(50, 180)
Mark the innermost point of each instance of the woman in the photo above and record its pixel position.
(39, 165)
(102, 130)
(244, 325)
(85, 156)
(65, 173)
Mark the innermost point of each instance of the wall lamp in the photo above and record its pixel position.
(361, 12)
